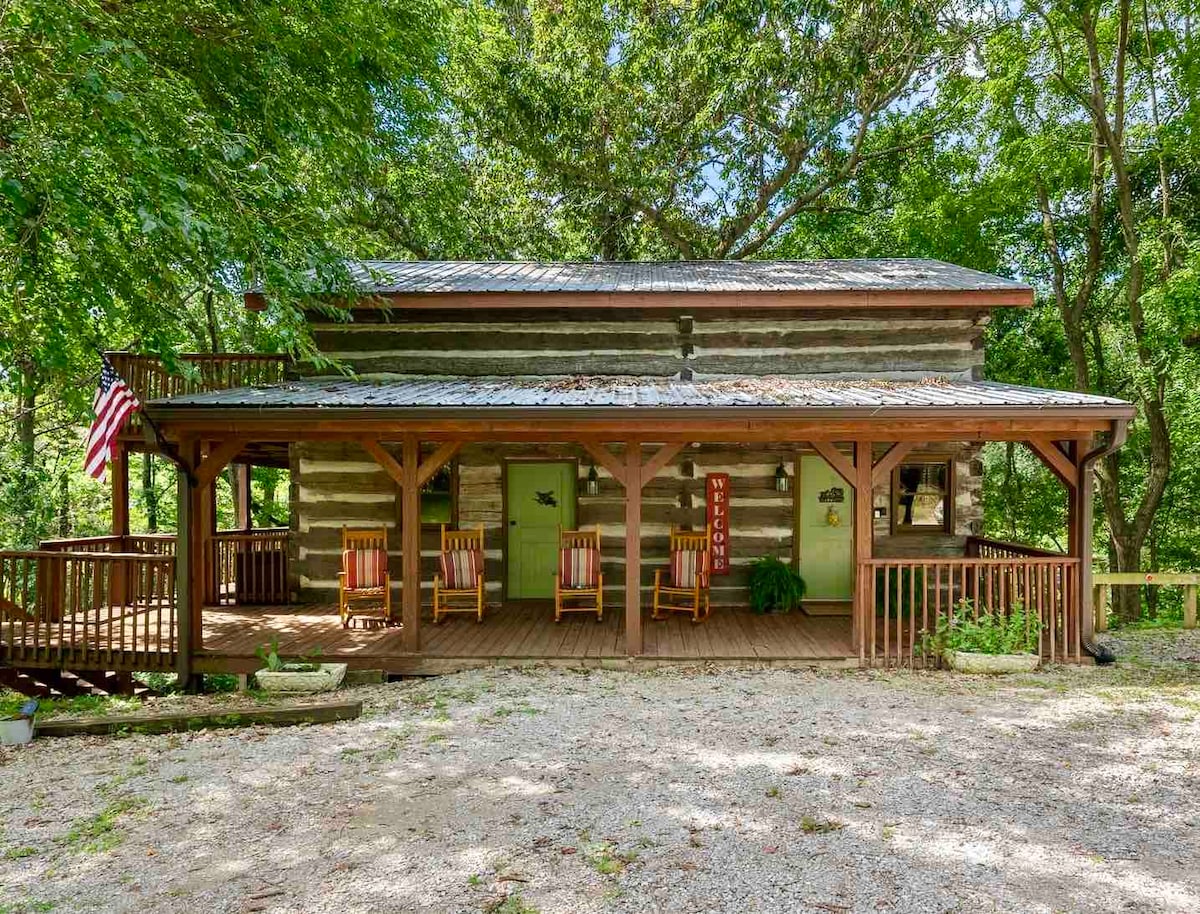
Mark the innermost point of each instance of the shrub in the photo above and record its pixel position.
(1014, 632)
(775, 586)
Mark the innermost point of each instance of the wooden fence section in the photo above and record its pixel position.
(86, 608)
(1102, 581)
(901, 600)
(249, 567)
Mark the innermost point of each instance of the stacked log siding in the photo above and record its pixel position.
(339, 484)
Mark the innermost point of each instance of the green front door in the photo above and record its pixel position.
(540, 499)
(826, 531)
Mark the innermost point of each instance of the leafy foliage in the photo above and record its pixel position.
(1014, 632)
(775, 586)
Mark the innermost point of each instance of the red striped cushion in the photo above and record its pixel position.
(578, 567)
(686, 566)
(364, 568)
(461, 568)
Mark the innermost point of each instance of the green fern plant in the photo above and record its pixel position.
(775, 586)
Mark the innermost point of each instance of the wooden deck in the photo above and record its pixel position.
(516, 634)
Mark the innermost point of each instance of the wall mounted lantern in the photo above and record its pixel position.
(592, 485)
(781, 478)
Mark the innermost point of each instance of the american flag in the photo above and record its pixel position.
(112, 405)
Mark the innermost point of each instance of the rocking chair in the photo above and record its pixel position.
(364, 586)
(686, 586)
(459, 586)
(579, 583)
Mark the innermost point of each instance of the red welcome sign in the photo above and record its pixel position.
(716, 496)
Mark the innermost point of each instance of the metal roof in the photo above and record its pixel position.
(389, 277)
(482, 394)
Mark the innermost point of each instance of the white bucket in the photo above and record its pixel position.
(16, 732)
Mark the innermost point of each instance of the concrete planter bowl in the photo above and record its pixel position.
(969, 662)
(16, 731)
(326, 677)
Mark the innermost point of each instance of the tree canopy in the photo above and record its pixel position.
(156, 158)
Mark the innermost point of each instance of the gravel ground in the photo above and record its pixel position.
(1154, 645)
(681, 791)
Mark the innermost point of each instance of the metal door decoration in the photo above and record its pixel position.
(716, 496)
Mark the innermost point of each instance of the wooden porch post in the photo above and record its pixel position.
(1081, 541)
(119, 468)
(633, 548)
(864, 540)
(189, 578)
(410, 543)
(241, 496)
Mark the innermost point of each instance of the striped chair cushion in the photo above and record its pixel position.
(578, 568)
(686, 566)
(461, 568)
(365, 568)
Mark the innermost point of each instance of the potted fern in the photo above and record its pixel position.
(992, 642)
(775, 586)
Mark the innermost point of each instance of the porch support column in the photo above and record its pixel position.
(864, 539)
(119, 471)
(1081, 521)
(410, 543)
(633, 548)
(118, 585)
(189, 564)
(244, 517)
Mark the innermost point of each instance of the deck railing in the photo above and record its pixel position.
(249, 567)
(901, 600)
(980, 547)
(88, 608)
(149, 379)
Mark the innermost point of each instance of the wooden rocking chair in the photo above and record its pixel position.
(459, 586)
(364, 586)
(579, 583)
(686, 587)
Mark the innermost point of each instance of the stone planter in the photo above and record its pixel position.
(16, 732)
(968, 662)
(328, 676)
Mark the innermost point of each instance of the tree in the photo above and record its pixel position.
(697, 130)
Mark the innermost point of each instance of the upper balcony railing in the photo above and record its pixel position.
(149, 379)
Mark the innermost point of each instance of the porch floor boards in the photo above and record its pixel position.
(529, 632)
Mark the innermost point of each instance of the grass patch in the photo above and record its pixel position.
(25, 906)
(20, 853)
(90, 705)
(813, 826)
(99, 833)
(512, 904)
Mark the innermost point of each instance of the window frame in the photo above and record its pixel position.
(453, 522)
(948, 499)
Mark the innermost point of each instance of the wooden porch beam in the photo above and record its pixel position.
(389, 463)
(890, 460)
(864, 543)
(218, 458)
(839, 461)
(1055, 460)
(435, 461)
(661, 458)
(603, 456)
(119, 474)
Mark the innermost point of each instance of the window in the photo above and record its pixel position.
(437, 496)
(921, 497)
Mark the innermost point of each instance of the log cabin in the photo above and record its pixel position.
(827, 413)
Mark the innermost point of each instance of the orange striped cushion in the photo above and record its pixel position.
(364, 568)
(461, 568)
(578, 567)
(686, 566)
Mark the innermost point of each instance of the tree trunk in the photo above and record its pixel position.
(27, 469)
(64, 505)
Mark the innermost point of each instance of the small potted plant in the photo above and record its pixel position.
(775, 586)
(993, 642)
(304, 674)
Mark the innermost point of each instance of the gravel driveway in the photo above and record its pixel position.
(682, 791)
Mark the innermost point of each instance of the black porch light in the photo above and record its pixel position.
(592, 485)
(781, 478)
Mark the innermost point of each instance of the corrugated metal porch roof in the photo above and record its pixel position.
(453, 393)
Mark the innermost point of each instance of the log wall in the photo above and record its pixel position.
(336, 484)
(896, 345)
